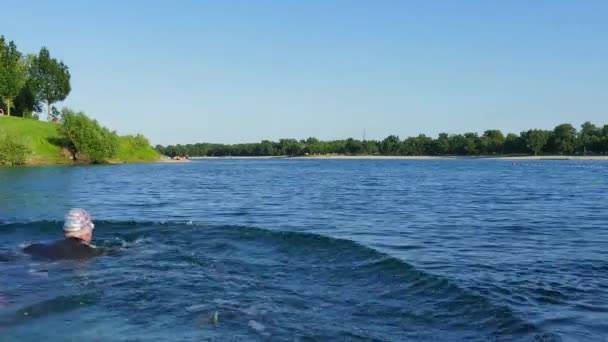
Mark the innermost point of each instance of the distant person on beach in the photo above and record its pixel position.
(78, 230)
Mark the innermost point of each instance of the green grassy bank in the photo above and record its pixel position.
(133, 149)
(43, 141)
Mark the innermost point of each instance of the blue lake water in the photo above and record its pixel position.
(311, 250)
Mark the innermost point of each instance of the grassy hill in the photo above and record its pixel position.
(44, 143)
(41, 137)
(135, 149)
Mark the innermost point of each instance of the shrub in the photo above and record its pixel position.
(85, 138)
(13, 151)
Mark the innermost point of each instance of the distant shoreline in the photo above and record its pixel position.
(363, 157)
(165, 159)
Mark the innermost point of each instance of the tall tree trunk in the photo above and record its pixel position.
(48, 110)
(8, 107)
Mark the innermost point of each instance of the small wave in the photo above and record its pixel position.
(383, 285)
(53, 225)
(390, 280)
(56, 305)
(38, 226)
(125, 241)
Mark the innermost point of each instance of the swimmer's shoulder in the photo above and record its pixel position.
(63, 249)
(35, 248)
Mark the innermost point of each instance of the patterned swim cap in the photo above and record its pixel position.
(77, 219)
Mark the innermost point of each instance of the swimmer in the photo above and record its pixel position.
(78, 231)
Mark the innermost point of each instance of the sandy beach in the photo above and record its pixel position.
(460, 157)
(171, 160)
(412, 157)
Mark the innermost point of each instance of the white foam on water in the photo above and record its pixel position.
(43, 274)
(224, 302)
(254, 311)
(197, 307)
(258, 327)
(141, 240)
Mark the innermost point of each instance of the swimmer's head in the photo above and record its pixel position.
(78, 224)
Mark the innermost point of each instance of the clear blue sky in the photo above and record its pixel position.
(243, 71)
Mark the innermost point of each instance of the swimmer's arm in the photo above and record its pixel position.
(101, 251)
(33, 248)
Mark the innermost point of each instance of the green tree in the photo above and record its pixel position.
(492, 141)
(604, 139)
(313, 146)
(353, 146)
(170, 151)
(85, 138)
(160, 149)
(371, 147)
(457, 144)
(265, 148)
(472, 143)
(12, 73)
(513, 144)
(55, 113)
(390, 145)
(291, 147)
(536, 139)
(25, 104)
(441, 145)
(590, 137)
(336, 146)
(416, 146)
(564, 139)
(51, 79)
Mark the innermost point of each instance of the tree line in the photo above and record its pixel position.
(564, 139)
(30, 82)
